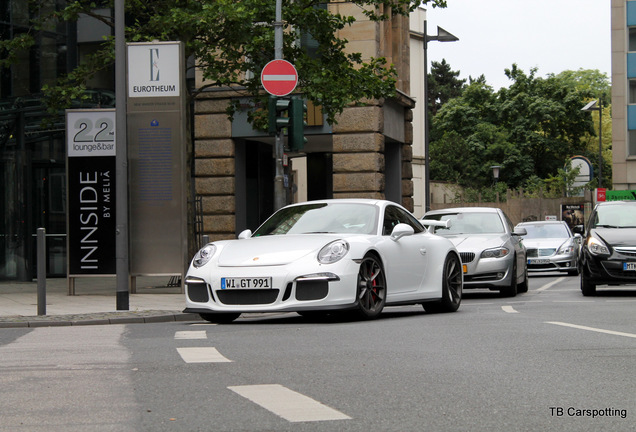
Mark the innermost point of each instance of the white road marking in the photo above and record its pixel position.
(201, 355)
(611, 332)
(551, 284)
(194, 334)
(509, 309)
(288, 404)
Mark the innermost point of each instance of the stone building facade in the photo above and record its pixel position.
(366, 154)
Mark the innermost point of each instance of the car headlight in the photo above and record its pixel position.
(498, 252)
(597, 246)
(566, 248)
(333, 252)
(204, 255)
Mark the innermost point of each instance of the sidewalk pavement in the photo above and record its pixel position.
(94, 302)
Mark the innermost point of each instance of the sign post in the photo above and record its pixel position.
(279, 78)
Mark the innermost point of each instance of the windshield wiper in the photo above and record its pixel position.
(607, 226)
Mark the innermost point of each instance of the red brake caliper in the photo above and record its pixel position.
(374, 290)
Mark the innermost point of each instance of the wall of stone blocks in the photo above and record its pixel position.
(215, 167)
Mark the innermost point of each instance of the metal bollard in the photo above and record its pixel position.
(41, 270)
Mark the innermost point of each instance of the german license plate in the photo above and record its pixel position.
(246, 283)
(629, 266)
(538, 261)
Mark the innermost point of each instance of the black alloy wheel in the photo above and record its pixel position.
(371, 288)
(452, 287)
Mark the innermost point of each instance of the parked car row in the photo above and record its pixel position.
(361, 255)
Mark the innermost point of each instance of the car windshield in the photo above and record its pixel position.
(537, 231)
(469, 223)
(350, 218)
(615, 216)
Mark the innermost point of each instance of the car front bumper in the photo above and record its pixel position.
(294, 288)
(563, 263)
(492, 273)
(608, 270)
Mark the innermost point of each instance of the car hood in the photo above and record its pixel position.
(544, 243)
(477, 242)
(271, 250)
(617, 236)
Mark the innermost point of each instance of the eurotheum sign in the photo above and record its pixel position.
(91, 192)
(153, 70)
(157, 147)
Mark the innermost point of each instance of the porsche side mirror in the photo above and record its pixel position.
(401, 230)
(245, 234)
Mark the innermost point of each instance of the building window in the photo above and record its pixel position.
(632, 39)
(632, 91)
(631, 147)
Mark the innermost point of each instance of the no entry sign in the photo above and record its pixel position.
(279, 77)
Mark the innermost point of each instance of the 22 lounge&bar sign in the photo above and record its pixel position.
(91, 191)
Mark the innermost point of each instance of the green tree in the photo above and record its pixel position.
(544, 118)
(598, 85)
(443, 85)
(529, 129)
(591, 145)
(592, 80)
(230, 40)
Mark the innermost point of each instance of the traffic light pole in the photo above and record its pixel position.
(280, 199)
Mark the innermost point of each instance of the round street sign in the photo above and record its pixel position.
(279, 77)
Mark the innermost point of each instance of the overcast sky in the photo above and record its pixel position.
(551, 35)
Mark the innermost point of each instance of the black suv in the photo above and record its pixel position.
(608, 252)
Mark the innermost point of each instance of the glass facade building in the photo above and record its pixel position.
(32, 141)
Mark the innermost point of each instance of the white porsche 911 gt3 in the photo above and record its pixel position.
(322, 256)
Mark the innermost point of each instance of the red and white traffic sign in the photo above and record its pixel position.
(601, 194)
(279, 77)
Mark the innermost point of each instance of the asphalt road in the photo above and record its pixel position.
(550, 359)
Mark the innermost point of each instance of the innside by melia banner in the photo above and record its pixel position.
(91, 192)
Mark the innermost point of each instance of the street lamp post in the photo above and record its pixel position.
(495, 172)
(592, 107)
(442, 36)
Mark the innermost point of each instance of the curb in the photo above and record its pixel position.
(96, 319)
